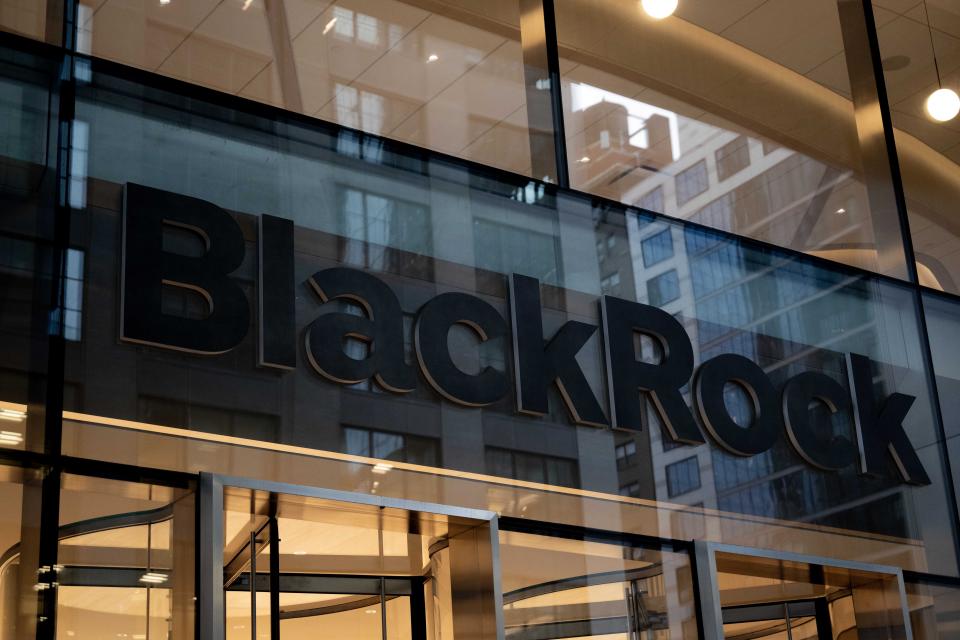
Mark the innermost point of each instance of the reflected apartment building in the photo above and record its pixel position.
(691, 275)
(506, 320)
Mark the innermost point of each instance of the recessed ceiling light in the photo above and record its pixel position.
(370, 611)
(329, 26)
(943, 105)
(299, 552)
(584, 159)
(433, 57)
(10, 438)
(153, 578)
(12, 415)
(246, 5)
(841, 211)
(659, 9)
(164, 3)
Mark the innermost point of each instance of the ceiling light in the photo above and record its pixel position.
(584, 160)
(329, 26)
(12, 415)
(943, 105)
(659, 9)
(299, 553)
(164, 3)
(841, 211)
(370, 611)
(153, 578)
(381, 468)
(246, 5)
(433, 57)
(10, 438)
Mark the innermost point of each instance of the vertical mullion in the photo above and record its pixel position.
(541, 65)
(49, 535)
(859, 28)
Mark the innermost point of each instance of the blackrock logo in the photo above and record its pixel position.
(539, 362)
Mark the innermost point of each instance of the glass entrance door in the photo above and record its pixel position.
(756, 595)
(299, 566)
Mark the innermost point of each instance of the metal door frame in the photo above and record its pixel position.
(705, 563)
(211, 622)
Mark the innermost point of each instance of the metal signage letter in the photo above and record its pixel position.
(627, 376)
(277, 329)
(147, 268)
(431, 336)
(381, 329)
(538, 363)
(816, 443)
(711, 379)
(879, 427)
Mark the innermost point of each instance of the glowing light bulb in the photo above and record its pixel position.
(659, 9)
(943, 105)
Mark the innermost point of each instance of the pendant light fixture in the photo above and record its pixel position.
(943, 104)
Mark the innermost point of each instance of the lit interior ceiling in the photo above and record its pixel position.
(383, 66)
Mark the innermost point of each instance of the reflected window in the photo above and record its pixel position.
(508, 249)
(657, 248)
(384, 233)
(652, 201)
(733, 157)
(692, 182)
(73, 295)
(532, 467)
(631, 490)
(384, 445)
(190, 415)
(683, 477)
(626, 454)
(664, 288)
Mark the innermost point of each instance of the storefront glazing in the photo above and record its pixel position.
(415, 145)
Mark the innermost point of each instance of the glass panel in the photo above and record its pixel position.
(934, 610)
(559, 588)
(789, 600)
(943, 323)
(910, 33)
(26, 252)
(465, 232)
(446, 76)
(733, 114)
(353, 570)
(19, 524)
(127, 552)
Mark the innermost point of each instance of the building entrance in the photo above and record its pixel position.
(756, 595)
(297, 563)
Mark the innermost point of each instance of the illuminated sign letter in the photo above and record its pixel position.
(538, 363)
(627, 376)
(148, 268)
(381, 329)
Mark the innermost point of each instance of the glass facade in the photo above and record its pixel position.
(511, 319)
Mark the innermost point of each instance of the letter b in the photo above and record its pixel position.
(148, 268)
